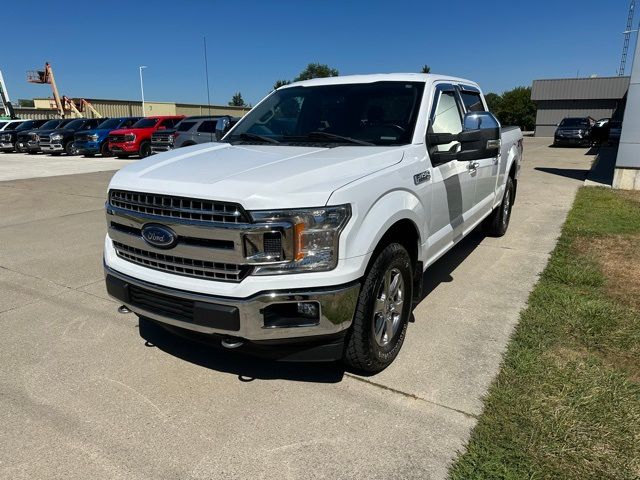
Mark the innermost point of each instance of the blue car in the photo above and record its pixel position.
(92, 142)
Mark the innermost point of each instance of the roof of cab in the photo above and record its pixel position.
(380, 77)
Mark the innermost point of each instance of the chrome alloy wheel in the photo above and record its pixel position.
(387, 311)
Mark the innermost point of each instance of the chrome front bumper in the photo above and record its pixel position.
(217, 315)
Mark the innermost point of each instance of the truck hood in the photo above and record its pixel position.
(257, 177)
(137, 131)
(98, 131)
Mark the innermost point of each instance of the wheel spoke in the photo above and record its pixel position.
(379, 328)
(379, 306)
(388, 322)
(394, 286)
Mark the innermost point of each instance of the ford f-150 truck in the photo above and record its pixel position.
(136, 140)
(91, 142)
(305, 233)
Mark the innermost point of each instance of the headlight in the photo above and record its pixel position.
(130, 137)
(316, 232)
(56, 136)
(93, 138)
(5, 138)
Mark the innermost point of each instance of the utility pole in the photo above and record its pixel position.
(142, 88)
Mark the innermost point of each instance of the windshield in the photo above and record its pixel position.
(50, 124)
(381, 113)
(110, 124)
(26, 125)
(76, 124)
(574, 122)
(2, 124)
(145, 123)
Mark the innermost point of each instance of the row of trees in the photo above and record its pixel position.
(513, 107)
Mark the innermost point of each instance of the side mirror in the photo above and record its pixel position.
(480, 137)
(222, 127)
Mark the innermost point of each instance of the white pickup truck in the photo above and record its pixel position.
(304, 235)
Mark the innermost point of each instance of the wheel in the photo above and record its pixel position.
(497, 223)
(145, 149)
(382, 312)
(104, 150)
(20, 149)
(122, 156)
(70, 149)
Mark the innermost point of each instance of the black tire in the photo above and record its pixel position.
(20, 149)
(104, 150)
(363, 350)
(70, 149)
(145, 149)
(122, 156)
(496, 224)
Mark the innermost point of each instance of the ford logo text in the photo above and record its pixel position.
(159, 236)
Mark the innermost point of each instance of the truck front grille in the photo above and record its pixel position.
(178, 207)
(182, 266)
(116, 138)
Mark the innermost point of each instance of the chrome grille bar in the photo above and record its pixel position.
(178, 207)
(182, 266)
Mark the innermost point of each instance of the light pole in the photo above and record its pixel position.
(142, 88)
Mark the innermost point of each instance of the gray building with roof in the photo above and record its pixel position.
(599, 97)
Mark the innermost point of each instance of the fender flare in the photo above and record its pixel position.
(386, 211)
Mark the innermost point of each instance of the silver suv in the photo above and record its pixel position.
(190, 131)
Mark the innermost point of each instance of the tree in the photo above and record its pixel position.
(493, 101)
(316, 70)
(514, 107)
(281, 83)
(237, 100)
(426, 69)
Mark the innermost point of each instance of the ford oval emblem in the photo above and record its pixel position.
(159, 236)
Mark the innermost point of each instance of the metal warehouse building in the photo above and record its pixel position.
(599, 97)
(124, 108)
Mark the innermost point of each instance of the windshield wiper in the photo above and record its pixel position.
(319, 134)
(254, 136)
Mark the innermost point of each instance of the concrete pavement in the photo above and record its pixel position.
(14, 166)
(82, 396)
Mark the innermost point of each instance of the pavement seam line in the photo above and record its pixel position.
(50, 218)
(17, 187)
(75, 289)
(410, 395)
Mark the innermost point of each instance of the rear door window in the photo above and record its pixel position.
(472, 101)
(185, 126)
(208, 126)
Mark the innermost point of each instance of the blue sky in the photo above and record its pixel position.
(96, 47)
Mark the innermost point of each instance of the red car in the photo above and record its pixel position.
(136, 140)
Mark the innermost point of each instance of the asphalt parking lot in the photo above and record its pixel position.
(82, 395)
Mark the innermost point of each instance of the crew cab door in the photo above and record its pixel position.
(486, 169)
(453, 182)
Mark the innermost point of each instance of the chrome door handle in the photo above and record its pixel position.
(473, 167)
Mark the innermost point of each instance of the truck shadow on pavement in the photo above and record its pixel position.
(246, 367)
(574, 173)
(249, 368)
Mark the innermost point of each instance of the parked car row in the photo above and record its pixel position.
(123, 137)
(586, 131)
